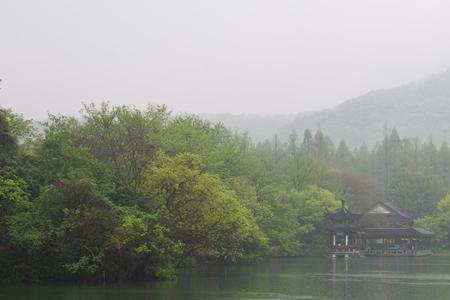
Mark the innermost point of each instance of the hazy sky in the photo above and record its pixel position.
(259, 56)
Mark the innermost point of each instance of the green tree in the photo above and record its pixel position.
(415, 193)
(8, 142)
(57, 156)
(82, 222)
(20, 233)
(140, 247)
(302, 170)
(308, 142)
(125, 139)
(323, 147)
(201, 213)
(12, 195)
(439, 223)
(296, 225)
(343, 156)
(21, 128)
(281, 225)
(222, 152)
(314, 204)
(444, 165)
(292, 145)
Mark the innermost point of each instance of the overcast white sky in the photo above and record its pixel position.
(263, 57)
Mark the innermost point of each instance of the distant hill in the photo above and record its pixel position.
(420, 109)
(258, 127)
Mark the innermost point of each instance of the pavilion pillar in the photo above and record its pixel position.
(334, 240)
(346, 240)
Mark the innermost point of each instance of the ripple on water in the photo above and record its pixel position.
(262, 295)
(385, 277)
(390, 278)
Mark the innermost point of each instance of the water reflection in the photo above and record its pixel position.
(354, 279)
(390, 278)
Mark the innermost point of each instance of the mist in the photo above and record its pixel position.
(253, 57)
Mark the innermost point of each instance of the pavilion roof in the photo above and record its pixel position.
(343, 214)
(396, 232)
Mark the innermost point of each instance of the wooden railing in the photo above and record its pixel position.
(396, 252)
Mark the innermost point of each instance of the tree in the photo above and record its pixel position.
(343, 155)
(293, 143)
(415, 193)
(323, 147)
(360, 190)
(391, 150)
(8, 142)
(124, 138)
(12, 195)
(13, 199)
(58, 157)
(296, 225)
(82, 223)
(444, 165)
(362, 159)
(16, 239)
(302, 170)
(314, 204)
(308, 142)
(141, 248)
(21, 128)
(281, 224)
(222, 152)
(203, 215)
(439, 223)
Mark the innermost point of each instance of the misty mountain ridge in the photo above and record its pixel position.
(258, 127)
(419, 109)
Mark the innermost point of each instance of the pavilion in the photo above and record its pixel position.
(382, 230)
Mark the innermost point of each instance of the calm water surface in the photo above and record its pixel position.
(301, 278)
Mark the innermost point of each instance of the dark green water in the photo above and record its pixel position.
(303, 278)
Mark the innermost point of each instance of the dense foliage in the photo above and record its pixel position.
(125, 193)
(439, 223)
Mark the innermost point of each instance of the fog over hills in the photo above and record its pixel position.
(257, 126)
(420, 109)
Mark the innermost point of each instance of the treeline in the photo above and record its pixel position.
(410, 173)
(124, 194)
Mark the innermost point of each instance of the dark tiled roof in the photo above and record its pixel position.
(424, 231)
(396, 232)
(393, 208)
(343, 214)
(345, 221)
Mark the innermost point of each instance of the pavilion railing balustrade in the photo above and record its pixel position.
(396, 252)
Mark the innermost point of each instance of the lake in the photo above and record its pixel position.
(297, 278)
